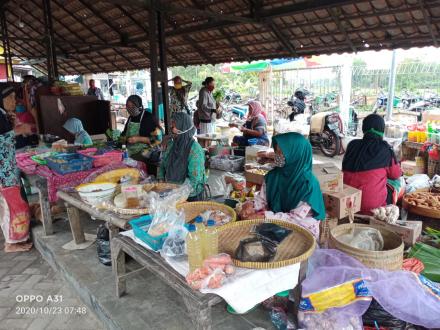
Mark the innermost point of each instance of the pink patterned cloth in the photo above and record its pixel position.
(57, 181)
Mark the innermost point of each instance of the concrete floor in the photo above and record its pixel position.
(27, 273)
(148, 304)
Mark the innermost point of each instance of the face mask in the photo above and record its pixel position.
(178, 132)
(280, 160)
(133, 111)
(177, 86)
(210, 88)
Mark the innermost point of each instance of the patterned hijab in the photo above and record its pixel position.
(256, 109)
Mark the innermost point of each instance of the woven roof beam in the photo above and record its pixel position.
(98, 14)
(341, 28)
(432, 29)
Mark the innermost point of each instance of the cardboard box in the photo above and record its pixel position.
(409, 232)
(254, 178)
(330, 177)
(410, 168)
(337, 204)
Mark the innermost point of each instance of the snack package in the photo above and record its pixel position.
(219, 217)
(255, 249)
(14, 215)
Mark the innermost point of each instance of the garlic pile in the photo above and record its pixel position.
(389, 213)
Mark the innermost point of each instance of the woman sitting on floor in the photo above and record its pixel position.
(290, 191)
(254, 128)
(370, 165)
(184, 158)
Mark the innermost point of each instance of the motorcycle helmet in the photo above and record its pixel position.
(299, 94)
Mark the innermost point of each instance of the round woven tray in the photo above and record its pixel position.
(391, 258)
(296, 247)
(424, 211)
(193, 209)
(147, 187)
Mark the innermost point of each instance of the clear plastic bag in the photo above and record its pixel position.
(175, 243)
(364, 238)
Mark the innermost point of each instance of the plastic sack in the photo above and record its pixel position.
(279, 319)
(14, 215)
(405, 295)
(416, 182)
(364, 238)
(103, 245)
(175, 244)
(377, 316)
(272, 232)
(255, 249)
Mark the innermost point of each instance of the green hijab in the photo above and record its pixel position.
(287, 186)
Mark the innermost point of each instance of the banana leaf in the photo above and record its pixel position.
(430, 256)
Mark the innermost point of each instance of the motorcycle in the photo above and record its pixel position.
(232, 97)
(326, 128)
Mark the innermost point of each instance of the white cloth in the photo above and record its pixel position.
(247, 287)
(207, 128)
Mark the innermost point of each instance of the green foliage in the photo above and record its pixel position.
(245, 83)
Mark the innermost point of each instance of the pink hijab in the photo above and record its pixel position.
(256, 109)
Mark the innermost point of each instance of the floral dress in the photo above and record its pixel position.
(8, 164)
(196, 168)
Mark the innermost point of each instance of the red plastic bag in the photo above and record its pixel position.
(14, 215)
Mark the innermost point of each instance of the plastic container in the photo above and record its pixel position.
(69, 163)
(111, 157)
(194, 249)
(210, 247)
(140, 228)
(131, 194)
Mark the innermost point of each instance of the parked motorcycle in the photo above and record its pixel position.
(326, 128)
(232, 97)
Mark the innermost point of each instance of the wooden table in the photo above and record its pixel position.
(43, 196)
(198, 304)
(75, 204)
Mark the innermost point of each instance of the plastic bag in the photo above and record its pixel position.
(416, 182)
(103, 245)
(279, 319)
(272, 232)
(218, 216)
(388, 214)
(213, 274)
(14, 215)
(175, 244)
(377, 316)
(164, 213)
(255, 249)
(329, 321)
(364, 238)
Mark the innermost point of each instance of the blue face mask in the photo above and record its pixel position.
(19, 108)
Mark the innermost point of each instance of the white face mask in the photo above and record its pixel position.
(280, 160)
(180, 132)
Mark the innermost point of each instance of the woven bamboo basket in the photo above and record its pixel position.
(421, 210)
(433, 167)
(194, 209)
(391, 258)
(296, 247)
(157, 187)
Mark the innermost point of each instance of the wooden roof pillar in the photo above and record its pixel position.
(52, 66)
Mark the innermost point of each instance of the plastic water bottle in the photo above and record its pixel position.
(124, 152)
(211, 240)
(194, 249)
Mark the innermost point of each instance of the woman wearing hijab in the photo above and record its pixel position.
(179, 95)
(9, 174)
(254, 128)
(206, 107)
(369, 163)
(290, 191)
(142, 130)
(75, 127)
(184, 159)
